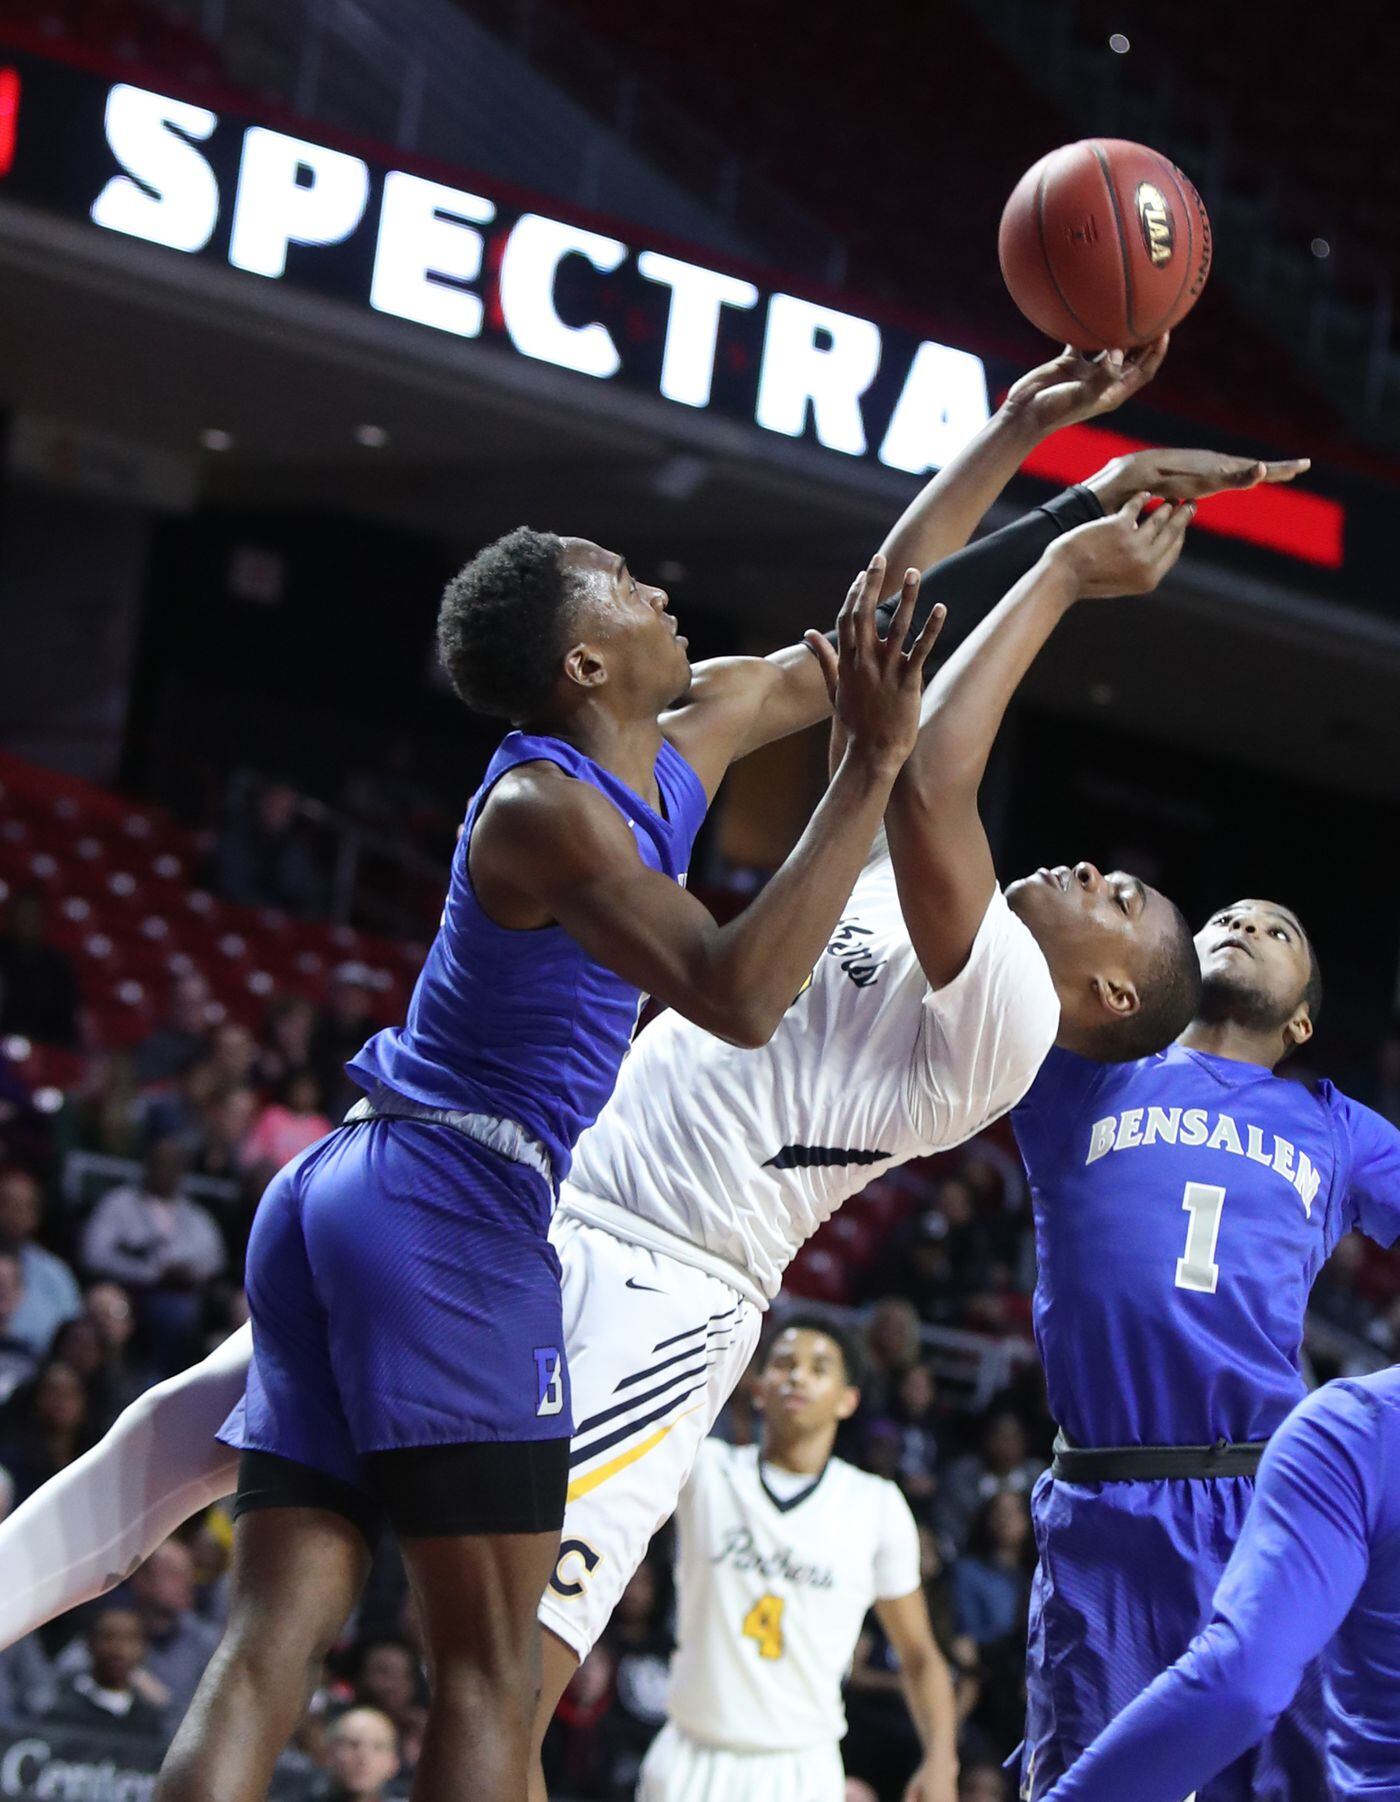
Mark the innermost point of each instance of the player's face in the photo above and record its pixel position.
(804, 1387)
(628, 623)
(1255, 962)
(1077, 907)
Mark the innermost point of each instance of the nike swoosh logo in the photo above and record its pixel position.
(650, 1288)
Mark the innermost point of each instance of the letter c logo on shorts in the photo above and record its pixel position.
(549, 1380)
(573, 1586)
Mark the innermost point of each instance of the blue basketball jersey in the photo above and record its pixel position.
(526, 1024)
(1184, 1205)
(1316, 1571)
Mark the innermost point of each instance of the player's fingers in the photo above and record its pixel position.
(863, 613)
(1148, 359)
(903, 613)
(1131, 509)
(1286, 469)
(1173, 533)
(846, 618)
(927, 639)
(820, 646)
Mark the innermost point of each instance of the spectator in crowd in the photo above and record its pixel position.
(108, 1113)
(286, 1040)
(182, 1035)
(108, 1307)
(919, 1419)
(1001, 1464)
(641, 1649)
(50, 1290)
(44, 1426)
(160, 1245)
(105, 1695)
(362, 1758)
(233, 1055)
(1336, 1294)
(286, 1127)
(577, 1753)
(228, 1120)
(178, 1644)
(388, 1675)
(27, 1685)
(17, 1360)
(892, 1346)
(982, 1782)
(181, 1110)
(991, 1582)
(264, 858)
(348, 1020)
(918, 1268)
(38, 990)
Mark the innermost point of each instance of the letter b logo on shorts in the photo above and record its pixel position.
(549, 1380)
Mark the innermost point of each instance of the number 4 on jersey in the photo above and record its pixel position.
(1197, 1268)
(764, 1622)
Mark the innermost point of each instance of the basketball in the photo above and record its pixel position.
(1104, 244)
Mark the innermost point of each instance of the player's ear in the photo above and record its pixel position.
(1116, 995)
(585, 666)
(1299, 1029)
(849, 1402)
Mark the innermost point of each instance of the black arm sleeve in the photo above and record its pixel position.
(973, 580)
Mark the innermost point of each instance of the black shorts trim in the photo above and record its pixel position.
(489, 1486)
(266, 1480)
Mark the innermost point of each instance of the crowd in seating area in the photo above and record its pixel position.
(134, 1145)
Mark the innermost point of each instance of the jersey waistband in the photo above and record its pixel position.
(506, 1137)
(1153, 1463)
(577, 1204)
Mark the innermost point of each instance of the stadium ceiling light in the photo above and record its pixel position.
(1320, 248)
(215, 439)
(1119, 44)
(372, 437)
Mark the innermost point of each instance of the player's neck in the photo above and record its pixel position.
(625, 748)
(1228, 1039)
(806, 1455)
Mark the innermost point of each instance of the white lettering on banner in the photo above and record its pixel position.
(534, 250)
(943, 402)
(276, 207)
(797, 371)
(816, 366)
(1124, 1132)
(427, 249)
(169, 194)
(692, 323)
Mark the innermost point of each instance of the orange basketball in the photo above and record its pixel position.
(1104, 244)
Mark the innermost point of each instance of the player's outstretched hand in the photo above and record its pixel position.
(1075, 386)
(875, 683)
(1187, 475)
(1127, 553)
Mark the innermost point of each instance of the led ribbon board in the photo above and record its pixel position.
(462, 260)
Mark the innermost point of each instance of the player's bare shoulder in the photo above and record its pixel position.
(538, 818)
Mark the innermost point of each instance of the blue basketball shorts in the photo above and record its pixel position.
(404, 1295)
(1123, 1584)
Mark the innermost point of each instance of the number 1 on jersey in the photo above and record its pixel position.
(764, 1622)
(1197, 1268)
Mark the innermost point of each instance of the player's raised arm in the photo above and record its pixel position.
(942, 861)
(736, 704)
(546, 844)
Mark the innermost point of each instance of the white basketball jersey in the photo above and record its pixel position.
(744, 1153)
(771, 1594)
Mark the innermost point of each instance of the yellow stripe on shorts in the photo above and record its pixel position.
(585, 1485)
